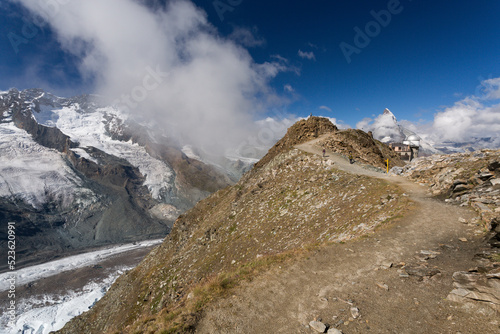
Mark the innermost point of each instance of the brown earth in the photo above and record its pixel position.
(338, 277)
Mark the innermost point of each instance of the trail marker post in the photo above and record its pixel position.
(387, 166)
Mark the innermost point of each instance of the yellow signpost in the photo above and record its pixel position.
(387, 166)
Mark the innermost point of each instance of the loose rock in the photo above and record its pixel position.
(478, 286)
(318, 326)
(383, 286)
(334, 331)
(386, 265)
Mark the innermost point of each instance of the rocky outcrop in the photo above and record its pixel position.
(479, 285)
(363, 147)
(462, 178)
(300, 132)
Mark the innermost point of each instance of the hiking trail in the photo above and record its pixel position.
(366, 276)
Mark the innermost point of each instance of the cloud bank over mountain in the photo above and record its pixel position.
(168, 65)
(473, 119)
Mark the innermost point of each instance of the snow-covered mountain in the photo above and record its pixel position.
(387, 129)
(76, 173)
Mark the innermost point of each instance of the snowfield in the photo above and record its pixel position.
(35, 174)
(88, 129)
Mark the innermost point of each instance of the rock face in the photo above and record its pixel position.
(76, 174)
(363, 147)
(280, 207)
(462, 178)
(481, 284)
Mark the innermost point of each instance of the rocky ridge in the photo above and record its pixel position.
(283, 212)
(276, 212)
(363, 147)
(301, 132)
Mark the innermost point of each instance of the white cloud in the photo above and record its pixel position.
(169, 66)
(325, 108)
(491, 88)
(339, 123)
(288, 88)
(467, 120)
(280, 58)
(471, 119)
(307, 55)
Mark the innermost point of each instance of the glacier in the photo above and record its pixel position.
(35, 174)
(42, 314)
(89, 130)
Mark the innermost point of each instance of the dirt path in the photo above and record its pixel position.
(355, 274)
(339, 161)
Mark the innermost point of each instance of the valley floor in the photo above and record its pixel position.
(364, 276)
(48, 295)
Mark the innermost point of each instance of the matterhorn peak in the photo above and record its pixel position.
(387, 112)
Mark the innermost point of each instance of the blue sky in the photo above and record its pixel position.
(430, 53)
(428, 57)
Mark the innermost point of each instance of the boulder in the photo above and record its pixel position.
(478, 286)
(494, 166)
(485, 176)
(461, 187)
(495, 181)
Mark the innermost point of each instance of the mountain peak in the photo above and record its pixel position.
(302, 131)
(389, 113)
